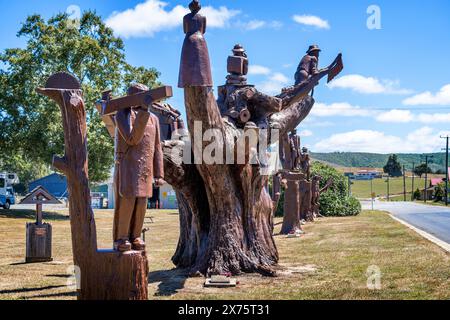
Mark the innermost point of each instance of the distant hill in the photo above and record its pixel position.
(374, 160)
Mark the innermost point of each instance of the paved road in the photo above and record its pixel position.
(432, 219)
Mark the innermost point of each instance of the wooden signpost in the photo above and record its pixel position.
(39, 234)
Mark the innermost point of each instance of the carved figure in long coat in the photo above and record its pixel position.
(195, 69)
(139, 164)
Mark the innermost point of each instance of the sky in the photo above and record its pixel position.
(393, 95)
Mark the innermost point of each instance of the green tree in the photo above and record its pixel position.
(31, 125)
(335, 201)
(422, 169)
(393, 168)
(439, 192)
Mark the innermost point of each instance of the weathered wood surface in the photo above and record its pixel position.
(38, 242)
(145, 98)
(103, 276)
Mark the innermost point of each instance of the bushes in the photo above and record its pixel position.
(335, 201)
(332, 204)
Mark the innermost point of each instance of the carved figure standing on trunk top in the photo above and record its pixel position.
(294, 144)
(195, 67)
(139, 164)
(308, 65)
(305, 163)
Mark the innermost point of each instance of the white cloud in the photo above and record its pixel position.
(434, 118)
(254, 24)
(396, 116)
(310, 20)
(151, 16)
(342, 109)
(427, 98)
(257, 24)
(306, 133)
(258, 70)
(424, 139)
(406, 116)
(367, 85)
(274, 83)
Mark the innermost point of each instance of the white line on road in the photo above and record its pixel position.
(444, 245)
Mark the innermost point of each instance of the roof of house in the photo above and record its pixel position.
(436, 181)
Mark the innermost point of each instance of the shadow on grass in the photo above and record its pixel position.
(31, 214)
(170, 281)
(59, 275)
(23, 290)
(54, 295)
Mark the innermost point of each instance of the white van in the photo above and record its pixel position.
(7, 197)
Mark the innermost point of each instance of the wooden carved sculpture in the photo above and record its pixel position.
(225, 210)
(102, 274)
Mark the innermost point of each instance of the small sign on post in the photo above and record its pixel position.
(39, 234)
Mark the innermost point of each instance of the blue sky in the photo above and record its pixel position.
(393, 95)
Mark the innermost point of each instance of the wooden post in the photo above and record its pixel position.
(107, 274)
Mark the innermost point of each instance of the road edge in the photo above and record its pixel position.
(444, 245)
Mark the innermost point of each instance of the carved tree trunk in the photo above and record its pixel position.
(292, 202)
(226, 214)
(101, 275)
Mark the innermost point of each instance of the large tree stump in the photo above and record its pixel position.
(226, 214)
(292, 202)
(101, 275)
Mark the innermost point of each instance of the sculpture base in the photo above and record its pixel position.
(117, 276)
(38, 243)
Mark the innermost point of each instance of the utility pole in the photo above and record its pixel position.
(387, 181)
(349, 186)
(404, 184)
(446, 170)
(413, 174)
(371, 191)
(427, 159)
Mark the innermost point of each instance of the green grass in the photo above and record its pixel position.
(329, 262)
(362, 189)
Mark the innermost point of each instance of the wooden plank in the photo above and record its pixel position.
(107, 120)
(144, 98)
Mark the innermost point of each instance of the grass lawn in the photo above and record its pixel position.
(361, 188)
(329, 262)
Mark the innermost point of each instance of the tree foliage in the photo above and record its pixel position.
(374, 160)
(420, 170)
(393, 168)
(335, 201)
(31, 124)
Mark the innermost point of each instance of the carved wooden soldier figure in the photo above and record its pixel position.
(294, 144)
(139, 163)
(308, 66)
(305, 163)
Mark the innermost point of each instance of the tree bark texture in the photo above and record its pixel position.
(102, 275)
